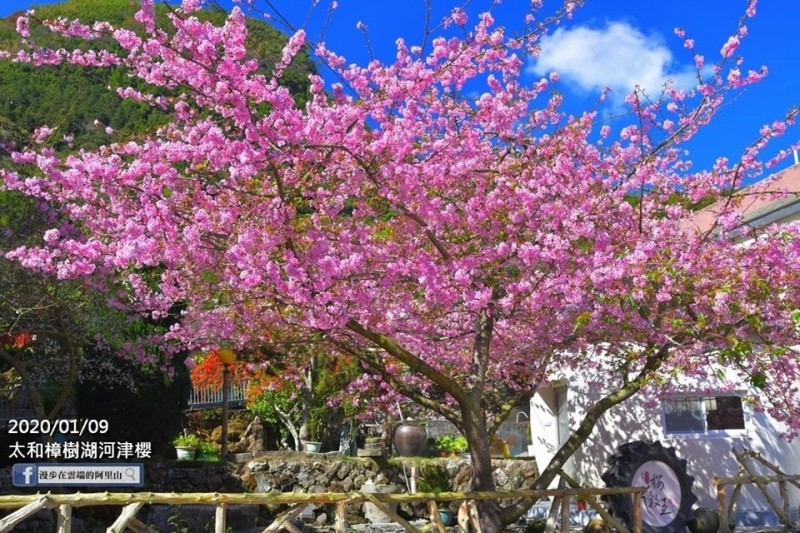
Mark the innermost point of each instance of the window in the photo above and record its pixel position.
(703, 414)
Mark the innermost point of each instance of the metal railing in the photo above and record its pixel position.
(211, 396)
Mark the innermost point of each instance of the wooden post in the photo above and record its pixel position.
(757, 457)
(550, 523)
(737, 489)
(341, 518)
(226, 392)
(637, 512)
(64, 519)
(784, 500)
(219, 518)
(565, 513)
(722, 508)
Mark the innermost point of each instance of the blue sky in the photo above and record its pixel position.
(608, 43)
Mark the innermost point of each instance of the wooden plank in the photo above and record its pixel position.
(7, 523)
(436, 520)
(219, 518)
(474, 517)
(341, 518)
(390, 513)
(128, 512)
(462, 521)
(282, 518)
(64, 519)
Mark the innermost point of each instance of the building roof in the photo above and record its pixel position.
(775, 199)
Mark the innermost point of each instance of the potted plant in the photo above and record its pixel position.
(313, 443)
(186, 446)
(450, 445)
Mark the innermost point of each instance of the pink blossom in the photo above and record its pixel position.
(730, 46)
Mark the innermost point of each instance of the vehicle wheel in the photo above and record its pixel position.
(667, 502)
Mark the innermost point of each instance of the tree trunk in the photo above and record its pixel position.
(475, 431)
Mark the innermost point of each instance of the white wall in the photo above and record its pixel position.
(640, 419)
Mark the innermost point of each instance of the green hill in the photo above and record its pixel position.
(73, 98)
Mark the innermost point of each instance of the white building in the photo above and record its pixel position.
(701, 423)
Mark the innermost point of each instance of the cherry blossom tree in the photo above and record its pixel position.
(461, 247)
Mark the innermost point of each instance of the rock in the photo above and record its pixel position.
(500, 478)
(371, 512)
(321, 520)
(254, 438)
(344, 470)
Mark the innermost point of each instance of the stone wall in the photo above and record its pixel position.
(336, 474)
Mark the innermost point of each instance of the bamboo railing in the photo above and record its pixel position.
(747, 476)
(28, 505)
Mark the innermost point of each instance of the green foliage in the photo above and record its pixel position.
(73, 98)
(208, 451)
(451, 443)
(537, 525)
(177, 523)
(434, 478)
(328, 377)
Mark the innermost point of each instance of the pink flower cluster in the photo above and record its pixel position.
(392, 206)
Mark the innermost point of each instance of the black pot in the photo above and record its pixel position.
(410, 440)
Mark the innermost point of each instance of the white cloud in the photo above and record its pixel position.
(618, 56)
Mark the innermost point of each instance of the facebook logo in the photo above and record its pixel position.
(23, 475)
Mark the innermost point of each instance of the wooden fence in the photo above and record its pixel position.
(131, 503)
(747, 476)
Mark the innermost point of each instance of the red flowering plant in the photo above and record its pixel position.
(208, 371)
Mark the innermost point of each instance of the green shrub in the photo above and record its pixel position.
(451, 443)
(208, 451)
(434, 478)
